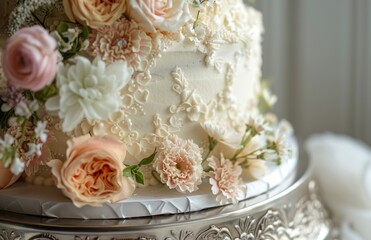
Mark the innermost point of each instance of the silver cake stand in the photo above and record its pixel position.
(293, 212)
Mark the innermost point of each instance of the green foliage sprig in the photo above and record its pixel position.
(133, 171)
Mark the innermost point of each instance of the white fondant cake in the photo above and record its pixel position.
(117, 95)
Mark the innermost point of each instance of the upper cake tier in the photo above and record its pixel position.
(116, 94)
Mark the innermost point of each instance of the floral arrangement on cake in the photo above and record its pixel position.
(72, 71)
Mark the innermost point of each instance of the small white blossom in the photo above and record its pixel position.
(88, 90)
(256, 169)
(284, 127)
(17, 166)
(62, 45)
(7, 141)
(257, 125)
(71, 34)
(5, 107)
(85, 45)
(221, 134)
(26, 110)
(41, 132)
(269, 98)
(269, 155)
(5, 148)
(282, 146)
(34, 149)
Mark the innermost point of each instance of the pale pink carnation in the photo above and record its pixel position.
(178, 162)
(123, 40)
(30, 59)
(225, 180)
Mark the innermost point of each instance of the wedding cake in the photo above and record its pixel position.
(126, 109)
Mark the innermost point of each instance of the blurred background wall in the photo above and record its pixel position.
(317, 55)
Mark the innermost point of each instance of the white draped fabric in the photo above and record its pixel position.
(343, 168)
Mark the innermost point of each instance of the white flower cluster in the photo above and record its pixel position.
(23, 13)
(7, 152)
(71, 35)
(88, 90)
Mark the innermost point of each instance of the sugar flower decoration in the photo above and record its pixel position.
(256, 169)
(30, 59)
(88, 90)
(178, 162)
(225, 180)
(92, 172)
(94, 13)
(32, 150)
(123, 40)
(165, 15)
(223, 135)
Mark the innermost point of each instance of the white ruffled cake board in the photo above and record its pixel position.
(30, 199)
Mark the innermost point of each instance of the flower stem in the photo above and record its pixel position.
(38, 20)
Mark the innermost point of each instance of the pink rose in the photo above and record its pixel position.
(94, 13)
(30, 58)
(92, 172)
(165, 15)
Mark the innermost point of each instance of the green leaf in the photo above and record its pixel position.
(148, 160)
(62, 27)
(47, 92)
(5, 116)
(85, 33)
(128, 171)
(139, 178)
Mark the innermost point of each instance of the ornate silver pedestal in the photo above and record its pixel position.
(292, 213)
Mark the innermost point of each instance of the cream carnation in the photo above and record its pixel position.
(94, 13)
(164, 15)
(178, 162)
(92, 172)
(225, 180)
(123, 40)
(88, 90)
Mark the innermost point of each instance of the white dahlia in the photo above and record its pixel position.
(88, 90)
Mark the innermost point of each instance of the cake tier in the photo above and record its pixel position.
(210, 74)
(150, 201)
(291, 213)
(188, 108)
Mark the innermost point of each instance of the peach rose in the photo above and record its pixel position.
(92, 172)
(164, 15)
(94, 13)
(30, 59)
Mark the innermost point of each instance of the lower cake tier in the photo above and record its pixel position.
(293, 213)
(37, 200)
